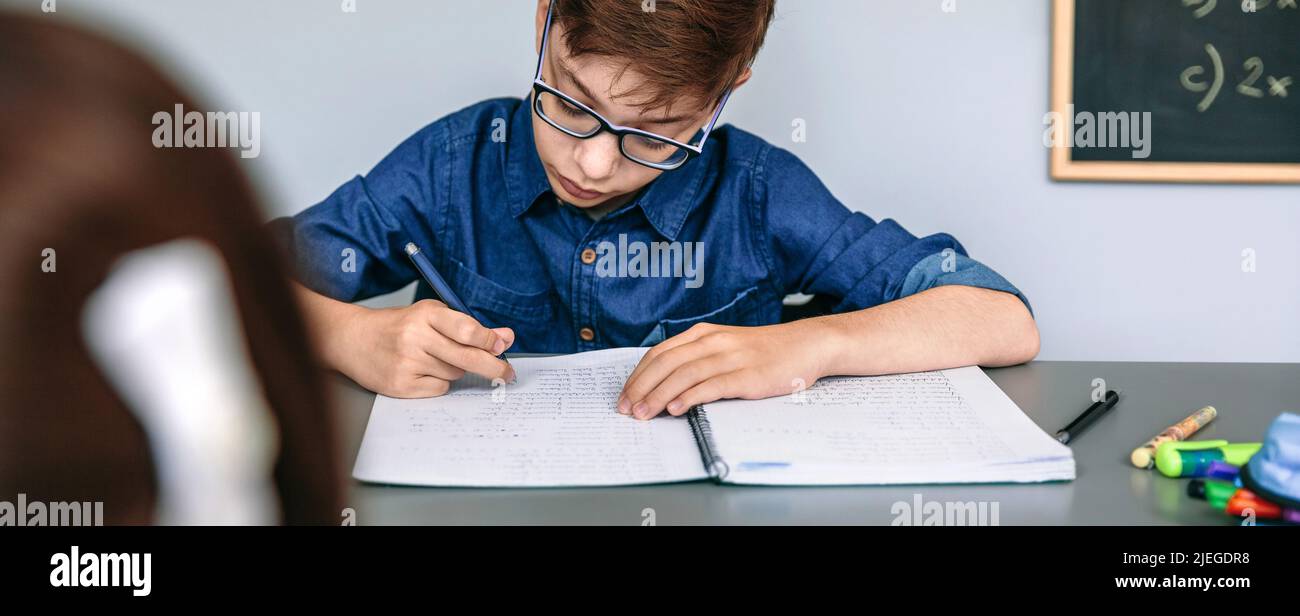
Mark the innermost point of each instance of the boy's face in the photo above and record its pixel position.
(593, 172)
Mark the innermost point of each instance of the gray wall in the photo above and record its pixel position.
(931, 118)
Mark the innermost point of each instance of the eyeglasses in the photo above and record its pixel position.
(575, 119)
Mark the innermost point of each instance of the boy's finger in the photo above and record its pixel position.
(654, 372)
(424, 387)
(689, 335)
(472, 359)
(463, 329)
(685, 377)
(436, 368)
(712, 390)
(506, 336)
(427, 357)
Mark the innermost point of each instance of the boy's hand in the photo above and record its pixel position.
(416, 351)
(711, 362)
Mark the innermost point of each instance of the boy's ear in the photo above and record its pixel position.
(542, 7)
(740, 81)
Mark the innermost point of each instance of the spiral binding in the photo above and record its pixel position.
(703, 432)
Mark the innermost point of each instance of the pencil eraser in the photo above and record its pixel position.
(1142, 457)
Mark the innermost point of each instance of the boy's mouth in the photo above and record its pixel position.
(577, 191)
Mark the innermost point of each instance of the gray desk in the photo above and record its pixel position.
(1108, 489)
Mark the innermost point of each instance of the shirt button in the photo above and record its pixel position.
(587, 334)
(588, 256)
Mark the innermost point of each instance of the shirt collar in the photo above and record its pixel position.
(525, 177)
(666, 202)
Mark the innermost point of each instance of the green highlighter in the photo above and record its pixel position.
(1191, 458)
(1216, 492)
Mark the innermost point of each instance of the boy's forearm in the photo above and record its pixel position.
(943, 327)
(327, 321)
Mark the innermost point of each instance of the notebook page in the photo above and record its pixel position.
(555, 426)
(949, 426)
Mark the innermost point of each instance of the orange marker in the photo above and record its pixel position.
(1245, 500)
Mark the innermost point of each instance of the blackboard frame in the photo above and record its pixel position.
(1064, 168)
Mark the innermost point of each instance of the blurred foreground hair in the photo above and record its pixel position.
(79, 175)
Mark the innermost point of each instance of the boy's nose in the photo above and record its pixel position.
(598, 157)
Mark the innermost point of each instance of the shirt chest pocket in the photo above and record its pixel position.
(745, 309)
(499, 306)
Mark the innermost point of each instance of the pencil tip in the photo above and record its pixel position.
(411, 249)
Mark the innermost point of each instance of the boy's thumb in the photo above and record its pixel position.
(506, 335)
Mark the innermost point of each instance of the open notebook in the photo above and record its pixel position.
(557, 426)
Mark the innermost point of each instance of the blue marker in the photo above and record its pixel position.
(439, 285)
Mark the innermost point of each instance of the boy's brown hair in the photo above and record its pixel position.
(683, 48)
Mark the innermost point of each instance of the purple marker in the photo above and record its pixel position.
(1222, 471)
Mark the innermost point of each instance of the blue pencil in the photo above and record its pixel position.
(439, 285)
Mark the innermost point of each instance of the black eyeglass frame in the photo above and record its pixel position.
(603, 125)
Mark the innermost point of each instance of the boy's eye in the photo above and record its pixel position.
(650, 144)
(571, 110)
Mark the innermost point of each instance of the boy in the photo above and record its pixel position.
(604, 210)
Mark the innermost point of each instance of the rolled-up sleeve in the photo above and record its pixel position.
(817, 246)
(949, 267)
(350, 246)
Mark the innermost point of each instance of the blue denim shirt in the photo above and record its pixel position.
(721, 240)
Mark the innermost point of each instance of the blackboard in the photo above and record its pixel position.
(1214, 84)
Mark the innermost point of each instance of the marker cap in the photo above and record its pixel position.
(1169, 459)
